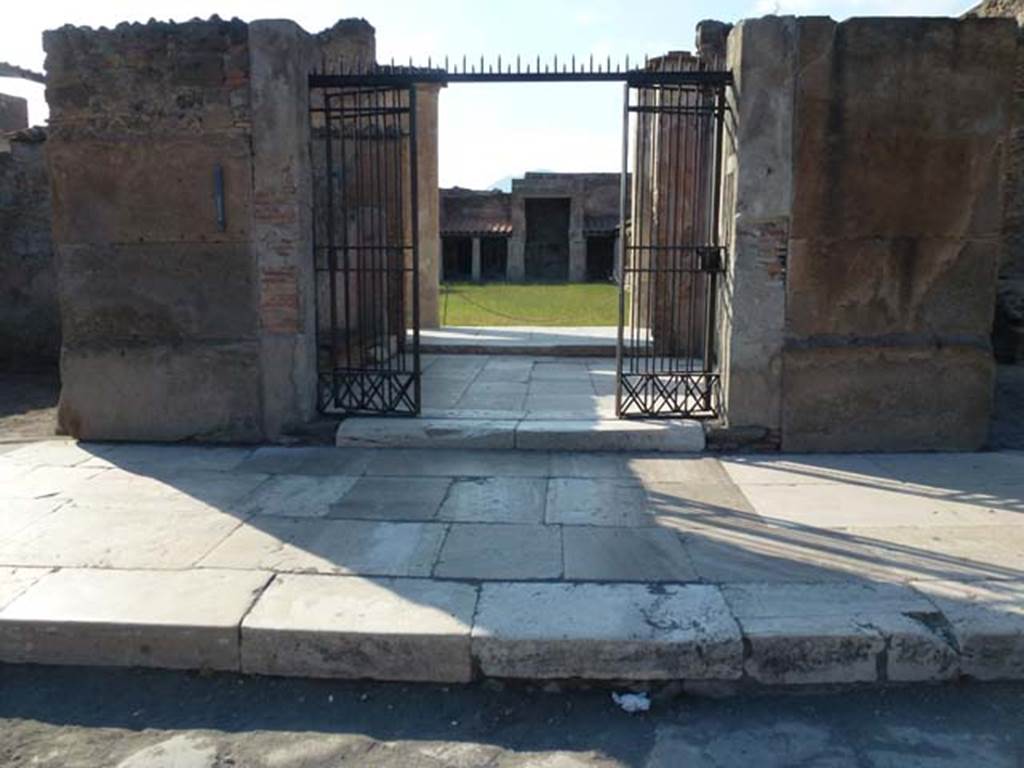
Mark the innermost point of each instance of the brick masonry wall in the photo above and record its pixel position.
(29, 318)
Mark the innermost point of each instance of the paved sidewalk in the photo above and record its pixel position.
(448, 565)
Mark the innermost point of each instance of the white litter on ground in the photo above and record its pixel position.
(632, 702)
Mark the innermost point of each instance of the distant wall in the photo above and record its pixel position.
(864, 191)
(29, 317)
(13, 113)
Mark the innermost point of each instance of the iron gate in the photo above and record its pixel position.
(669, 251)
(366, 249)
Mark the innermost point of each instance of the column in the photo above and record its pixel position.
(428, 195)
(476, 260)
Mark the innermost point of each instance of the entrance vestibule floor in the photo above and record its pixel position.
(518, 386)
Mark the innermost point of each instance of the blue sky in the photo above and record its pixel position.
(487, 131)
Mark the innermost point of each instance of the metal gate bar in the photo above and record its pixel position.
(670, 255)
(366, 249)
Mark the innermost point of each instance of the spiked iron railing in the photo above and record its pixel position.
(674, 68)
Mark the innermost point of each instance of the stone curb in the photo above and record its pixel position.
(418, 630)
(583, 435)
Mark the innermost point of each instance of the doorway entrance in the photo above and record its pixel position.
(665, 256)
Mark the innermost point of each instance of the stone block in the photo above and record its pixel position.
(382, 629)
(170, 619)
(494, 552)
(875, 286)
(599, 434)
(597, 501)
(135, 535)
(878, 398)
(21, 513)
(369, 432)
(918, 159)
(14, 581)
(761, 56)
(296, 496)
(605, 632)
(156, 293)
(160, 190)
(207, 392)
(459, 463)
(836, 633)
(392, 498)
(986, 621)
(625, 554)
(351, 547)
(495, 500)
(306, 460)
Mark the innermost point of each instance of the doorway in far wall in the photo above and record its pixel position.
(600, 258)
(547, 239)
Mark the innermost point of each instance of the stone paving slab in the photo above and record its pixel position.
(840, 633)
(985, 621)
(296, 496)
(625, 554)
(392, 499)
(605, 632)
(14, 581)
(119, 536)
(361, 547)
(305, 460)
(169, 619)
(832, 506)
(495, 500)
(583, 501)
(386, 629)
(511, 552)
(18, 514)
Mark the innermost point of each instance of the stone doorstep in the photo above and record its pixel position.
(552, 434)
(419, 630)
(525, 350)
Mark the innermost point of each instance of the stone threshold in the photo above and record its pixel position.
(531, 350)
(421, 630)
(512, 430)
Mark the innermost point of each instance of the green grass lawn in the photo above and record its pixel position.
(564, 304)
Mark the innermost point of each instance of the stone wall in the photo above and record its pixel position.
(865, 210)
(1008, 331)
(13, 113)
(29, 318)
(180, 171)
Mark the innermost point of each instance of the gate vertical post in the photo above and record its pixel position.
(620, 269)
(414, 184)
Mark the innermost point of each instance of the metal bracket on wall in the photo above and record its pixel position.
(218, 197)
